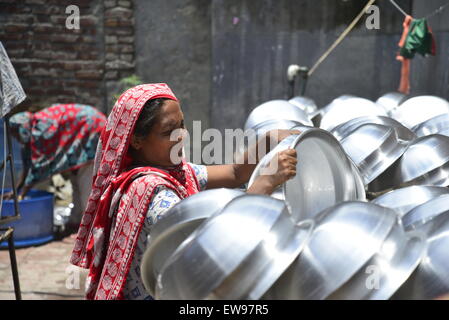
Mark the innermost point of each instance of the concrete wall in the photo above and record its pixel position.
(225, 57)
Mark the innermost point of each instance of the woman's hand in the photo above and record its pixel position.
(8, 195)
(280, 169)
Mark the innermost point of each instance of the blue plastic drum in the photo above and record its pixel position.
(35, 225)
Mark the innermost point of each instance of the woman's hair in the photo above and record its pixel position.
(148, 116)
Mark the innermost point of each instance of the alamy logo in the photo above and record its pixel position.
(73, 20)
(373, 20)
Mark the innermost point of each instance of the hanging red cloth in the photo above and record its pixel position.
(404, 85)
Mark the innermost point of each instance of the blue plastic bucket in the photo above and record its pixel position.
(35, 225)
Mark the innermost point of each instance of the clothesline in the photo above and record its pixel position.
(426, 17)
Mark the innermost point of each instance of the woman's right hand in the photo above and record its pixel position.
(284, 167)
(280, 169)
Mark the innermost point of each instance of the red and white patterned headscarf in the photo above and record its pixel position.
(121, 196)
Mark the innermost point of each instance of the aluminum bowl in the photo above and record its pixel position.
(373, 148)
(306, 104)
(425, 162)
(237, 254)
(324, 177)
(388, 269)
(435, 210)
(431, 279)
(176, 226)
(438, 124)
(405, 199)
(417, 110)
(345, 129)
(276, 109)
(348, 109)
(345, 238)
(390, 101)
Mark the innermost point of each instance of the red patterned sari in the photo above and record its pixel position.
(118, 203)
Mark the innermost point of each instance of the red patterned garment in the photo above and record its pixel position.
(59, 138)
(118, 203)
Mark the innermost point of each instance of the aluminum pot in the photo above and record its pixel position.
(345, 129)
(417, 110)
(276, 109)
(306, 104)
(324, 176)
(405, 199)
(388, 269)
(176, 226)
(345, 238)
(425, 162)
(390, 101)
(237, 254)
(431, 279)
(348, 109)
(373, 148)
(435, 210)
(438, 124)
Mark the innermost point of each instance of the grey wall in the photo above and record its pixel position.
(224, 57)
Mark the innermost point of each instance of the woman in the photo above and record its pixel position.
(61, 138)
(136, 180)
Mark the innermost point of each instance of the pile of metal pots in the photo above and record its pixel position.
(365, 217)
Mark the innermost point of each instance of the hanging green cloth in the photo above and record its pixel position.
(419, 40)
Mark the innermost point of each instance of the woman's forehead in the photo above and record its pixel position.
(170, 113)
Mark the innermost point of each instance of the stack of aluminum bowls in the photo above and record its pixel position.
(317, 236)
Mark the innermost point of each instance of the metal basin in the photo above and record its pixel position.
(431, 279)
(345, 238)
(417, 110)
(435, 210)
(347, 109)
(388, 269)
(438, 124)
(390, 101)
(345, 129)
(237, 254)
(425, 162)
(373, 148)
(176, 226)
(324, 177)
(405, 199)
(276, 109)
(306, 104)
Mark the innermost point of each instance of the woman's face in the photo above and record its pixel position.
(156, 148)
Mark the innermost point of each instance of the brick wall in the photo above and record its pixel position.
(57, 64)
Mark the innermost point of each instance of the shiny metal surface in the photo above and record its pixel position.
(360, 184)
(417, 110)
(343, 110)
(431, 279)
(306, 104)
(373, 148)
(324, 175)
(264, 127)
(176, 225)
(425, 162)
(435, 210)
(388, 269)
(405, 199)
(237, 254)
(438, 124)
(276, 109)
(345, 129)
(390, 101)
(345, 238)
